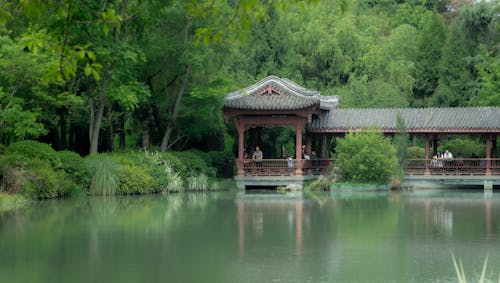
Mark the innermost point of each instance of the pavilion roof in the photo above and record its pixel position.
(452, 120)
(274, 93)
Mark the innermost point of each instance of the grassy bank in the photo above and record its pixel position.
(36, 171)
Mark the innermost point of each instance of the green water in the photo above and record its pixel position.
(252, 237)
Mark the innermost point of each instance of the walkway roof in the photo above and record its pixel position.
(424, 120)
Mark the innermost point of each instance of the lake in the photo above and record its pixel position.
(254, 236)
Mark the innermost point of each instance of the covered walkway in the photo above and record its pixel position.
(316, 119)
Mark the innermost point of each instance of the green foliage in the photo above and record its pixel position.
(74, 166)
(193, 164)
(33, 149)
(220, 159)
(416, 152)
(104, 175)
(134, 180)
(366, 157)
(464, 146)
(32, 177)
(3, 149)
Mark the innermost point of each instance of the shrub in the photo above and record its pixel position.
(193, 164)
(134, 180)
(366, 158)
(220, 159)
(73, 165)
(104, 175)
(416, 152)
(37, 150)
(3, 148)
(33, 178)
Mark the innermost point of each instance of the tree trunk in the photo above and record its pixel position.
(171, 123)
(96, 114)
(62, 128)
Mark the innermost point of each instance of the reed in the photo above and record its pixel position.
(459, 269)
(104, 179)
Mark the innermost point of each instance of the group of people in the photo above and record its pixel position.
(437, 160)
(259, 155)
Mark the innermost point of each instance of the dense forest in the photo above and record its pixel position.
(94, 76)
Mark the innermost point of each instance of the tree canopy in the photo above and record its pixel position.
(103, 75)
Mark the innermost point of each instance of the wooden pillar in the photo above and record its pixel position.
(240, 126)
(427, 140)
(324, 149)
(488, 155)
(494, 147)
(308, 144)
(298, 147)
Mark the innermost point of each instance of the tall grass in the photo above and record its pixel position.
(175, 182)
(459, 269)
(198, 183)
(104, 175)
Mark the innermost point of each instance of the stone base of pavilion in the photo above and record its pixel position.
(437, 181)
(243, 182)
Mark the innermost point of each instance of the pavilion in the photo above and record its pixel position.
(276, 101)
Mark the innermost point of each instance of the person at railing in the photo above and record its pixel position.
(258, 156)
(447, 155)
(436, 162)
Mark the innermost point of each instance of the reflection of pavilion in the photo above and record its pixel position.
(317, 120)
(253, 212)
(440, 213)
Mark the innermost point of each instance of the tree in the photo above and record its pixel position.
(366, 157)
(430, 42)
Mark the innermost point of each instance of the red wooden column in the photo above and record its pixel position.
(298, 146)
(488, 155)
(427, 140)
(324, 152)
(240, 126)
(308, 144)
(494, 147)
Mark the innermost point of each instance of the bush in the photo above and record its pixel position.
(104, 175)
(37, 150)
(220, 159)
(366, 158)
(416, 152)
(73, 165)
(3, 148)
(134, 180)
(193, 164)
(33, 178)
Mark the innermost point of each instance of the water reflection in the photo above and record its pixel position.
(252, 237)
(254, 207)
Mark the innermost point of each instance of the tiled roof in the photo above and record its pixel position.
(416, 119)
(274, 93)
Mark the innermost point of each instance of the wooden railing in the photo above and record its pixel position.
(465, 166)
(287, 167)
(283, 167)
